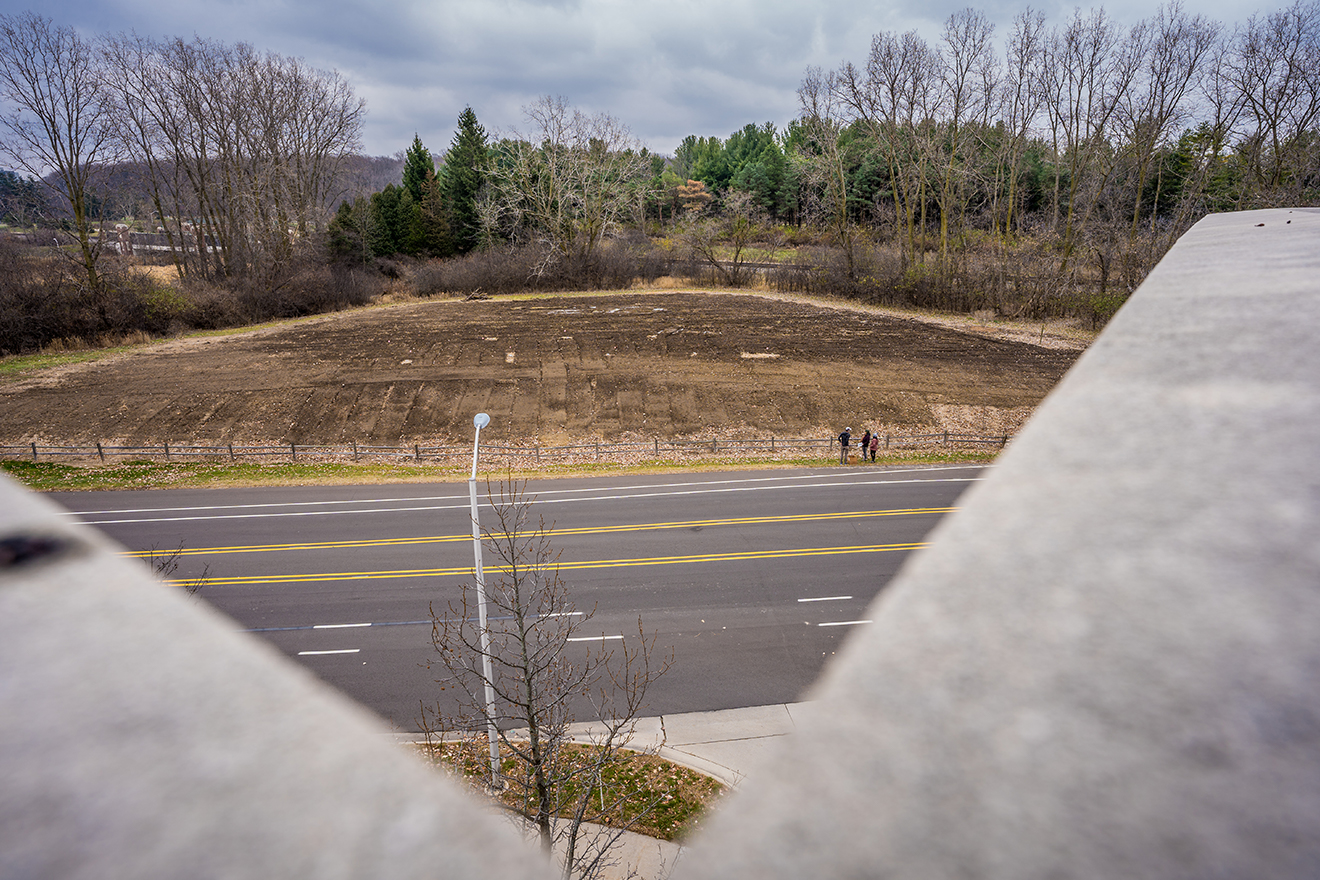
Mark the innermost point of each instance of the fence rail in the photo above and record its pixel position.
(417, 452)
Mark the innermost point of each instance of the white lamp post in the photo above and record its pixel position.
(479, 421)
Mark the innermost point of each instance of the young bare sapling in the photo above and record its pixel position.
(550, 669)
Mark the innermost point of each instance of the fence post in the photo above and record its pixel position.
(99, 450)
(1003, 441)
(946, 438)
(715, 444)
(355, 451)
(293, 452)
(772, 442)
(34, 452)
(538, 453)
(167, 450)
(886, 441)
(657, 447)
(417, 451)
(231, 452)
(597, 449)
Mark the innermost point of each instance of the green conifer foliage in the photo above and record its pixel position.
(464, 175)
(418, 166)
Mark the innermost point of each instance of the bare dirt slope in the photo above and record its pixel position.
(646, 364)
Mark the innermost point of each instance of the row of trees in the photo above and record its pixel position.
(237, 153)
(1094, 133)
(433, 213)
(1106, 141)
(1103, 141)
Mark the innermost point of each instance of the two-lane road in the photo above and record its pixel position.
(752, 578)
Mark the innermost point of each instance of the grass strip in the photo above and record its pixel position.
(642, 793)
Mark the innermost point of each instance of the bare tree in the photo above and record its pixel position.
(568, 181)
(58, 121)
(243, 149)
(1021, 102)
(1273, 68)
(725, 242)
(545, 669)
(1160, 102)
(1088, 71)
(893, 99)
(823, 167)
(969, 94)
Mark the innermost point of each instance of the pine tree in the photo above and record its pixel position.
(387, 220)
(433, 227)
(418, 166)
(348, 236)
(464, 174)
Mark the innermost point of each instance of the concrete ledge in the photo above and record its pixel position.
(1107, 663)
(195, 751)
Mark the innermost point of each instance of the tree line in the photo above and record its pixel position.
(236, 151)
(1066, 155)
(1096, 142)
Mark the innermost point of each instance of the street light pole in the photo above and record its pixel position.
(480, 421)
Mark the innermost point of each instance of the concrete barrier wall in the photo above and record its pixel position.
(143, 736)
(1108, 663)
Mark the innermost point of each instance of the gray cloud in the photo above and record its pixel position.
(666, 69)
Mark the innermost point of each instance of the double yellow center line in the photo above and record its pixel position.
(585, 565)
(553, 532)
(562, 566)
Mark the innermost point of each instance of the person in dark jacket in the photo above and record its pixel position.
(844, 439)
(865, 444)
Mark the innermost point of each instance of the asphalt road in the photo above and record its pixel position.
(754, 579)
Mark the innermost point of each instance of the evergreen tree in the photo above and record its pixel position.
(348, 235)
(434, 235)
(387, 220)
(464, 175)
(418, 167)
(22, 200)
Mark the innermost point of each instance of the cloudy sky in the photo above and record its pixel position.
(665, 69)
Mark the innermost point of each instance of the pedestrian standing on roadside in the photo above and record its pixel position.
(875, 444)
(865, 444)
(843, 445)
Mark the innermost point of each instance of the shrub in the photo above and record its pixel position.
(615, 263)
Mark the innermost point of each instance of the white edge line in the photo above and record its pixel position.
(342, 651)
(595, 638)
(597, 498)
(844, 623)
(825, 599)
(785, 479)
(338, 625)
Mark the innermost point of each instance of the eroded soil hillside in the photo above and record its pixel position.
(646, 364)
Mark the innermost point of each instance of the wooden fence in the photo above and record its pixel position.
(419, 453)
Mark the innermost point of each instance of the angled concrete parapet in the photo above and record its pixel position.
(142, 736)
(1108, 663)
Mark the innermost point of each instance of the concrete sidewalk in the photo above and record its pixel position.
(729, 745)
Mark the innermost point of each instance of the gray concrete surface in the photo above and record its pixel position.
(142, 737)
(729, 744)
(1108, 662)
